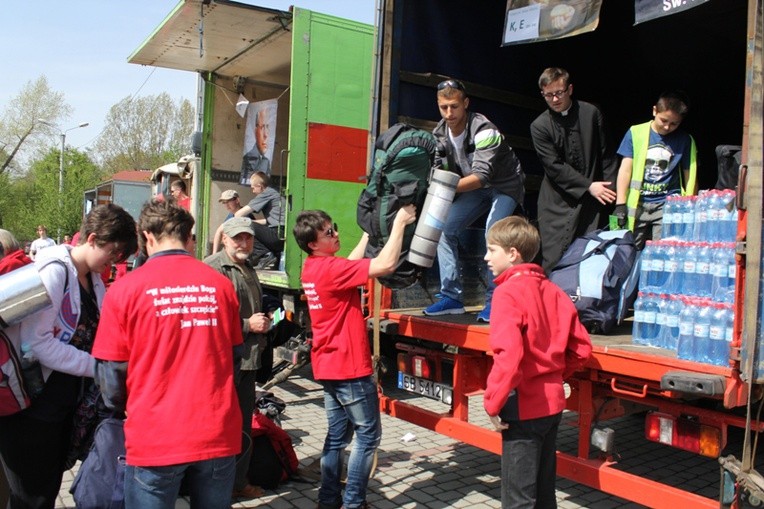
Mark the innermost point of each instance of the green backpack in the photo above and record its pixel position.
(403, 158)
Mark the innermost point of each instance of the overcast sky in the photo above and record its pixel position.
(82, 46)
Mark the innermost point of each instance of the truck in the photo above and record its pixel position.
(339, 85)
(129, 189)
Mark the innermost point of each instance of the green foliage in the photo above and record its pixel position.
(145, 133)
(34, 198)
(21, 132)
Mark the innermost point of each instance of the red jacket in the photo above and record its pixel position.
(13, 261)
(537, 341)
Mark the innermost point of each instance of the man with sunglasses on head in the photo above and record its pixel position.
(579, 170)
(340, 353)
(492, 182)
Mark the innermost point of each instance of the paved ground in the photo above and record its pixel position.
(436, 472)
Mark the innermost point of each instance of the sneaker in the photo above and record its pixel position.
(445, 306)
(248, 492)
(485, 314)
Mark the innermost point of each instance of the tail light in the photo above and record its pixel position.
(683, 433)
(420, 367)
(403, 363)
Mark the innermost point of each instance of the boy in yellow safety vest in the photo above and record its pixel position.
(658, 160)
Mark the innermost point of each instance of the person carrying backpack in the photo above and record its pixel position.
(34, 442)
(491, 181)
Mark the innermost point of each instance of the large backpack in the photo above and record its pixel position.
(598, 272)
(273, 458)
(403, 158)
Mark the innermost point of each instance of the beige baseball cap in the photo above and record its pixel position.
(228, 195)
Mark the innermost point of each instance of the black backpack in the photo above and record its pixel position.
(599, 273)
(403, 158)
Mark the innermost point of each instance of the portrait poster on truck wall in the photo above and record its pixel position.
(259, 136)
(645, 10)
(543, 20)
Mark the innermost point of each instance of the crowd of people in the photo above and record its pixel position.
(131, 350)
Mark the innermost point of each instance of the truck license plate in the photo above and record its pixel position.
(424, 387)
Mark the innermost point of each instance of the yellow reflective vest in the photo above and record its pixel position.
(640, 135)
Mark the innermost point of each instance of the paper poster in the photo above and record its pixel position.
(259, 139)
(645, 10)
(542, 20)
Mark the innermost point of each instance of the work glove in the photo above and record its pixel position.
(620, 215)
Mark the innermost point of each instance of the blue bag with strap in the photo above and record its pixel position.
(100, 481)
(599, 272)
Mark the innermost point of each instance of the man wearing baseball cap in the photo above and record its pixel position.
(230, 200)
(233, 262)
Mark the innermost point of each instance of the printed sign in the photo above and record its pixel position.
(645, 10)
(542, 20)
(258, 139)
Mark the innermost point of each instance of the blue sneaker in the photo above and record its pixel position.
(485, 314)
(445, 306)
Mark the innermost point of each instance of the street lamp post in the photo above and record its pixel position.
(61, 173)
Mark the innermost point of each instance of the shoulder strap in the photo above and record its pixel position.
(66, 271)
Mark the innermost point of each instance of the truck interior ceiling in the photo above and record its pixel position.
(620, 66)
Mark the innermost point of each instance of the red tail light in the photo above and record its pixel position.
(420, 367)
(683, 433)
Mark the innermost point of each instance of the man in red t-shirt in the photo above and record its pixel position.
(165, 354)
(340, 352)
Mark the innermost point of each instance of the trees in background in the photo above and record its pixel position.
(145, 133)
(21, 131)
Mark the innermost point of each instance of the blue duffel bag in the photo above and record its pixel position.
(599, 272)
(100, 481)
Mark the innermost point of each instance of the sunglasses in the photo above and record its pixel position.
(458, 85)
(331, 231)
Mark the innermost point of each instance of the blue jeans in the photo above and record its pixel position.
(352, 406)
(529, 463)
(210, 483)
(467, 207)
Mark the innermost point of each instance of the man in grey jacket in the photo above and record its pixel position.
(491, 181)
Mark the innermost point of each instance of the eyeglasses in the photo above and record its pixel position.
(458, 85)
(331, 231)
(555, 95)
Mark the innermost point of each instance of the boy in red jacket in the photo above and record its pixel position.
(537, 341)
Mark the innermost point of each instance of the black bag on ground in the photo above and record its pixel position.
(403, 158)
(598, 272)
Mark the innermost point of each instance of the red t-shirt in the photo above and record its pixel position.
(340, 343)
(175, 321)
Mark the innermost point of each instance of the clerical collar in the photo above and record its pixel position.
(565, 113)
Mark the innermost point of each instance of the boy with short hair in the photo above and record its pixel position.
(659, 160)
(537, 341)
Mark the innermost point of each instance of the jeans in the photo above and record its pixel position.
(210, 484)
(352, 406)
(529, 463)
(467, 207)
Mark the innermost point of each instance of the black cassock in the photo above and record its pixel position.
(574, 153)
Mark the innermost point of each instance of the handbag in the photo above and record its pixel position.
(100, 481)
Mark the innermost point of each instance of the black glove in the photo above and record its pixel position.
(620, 215)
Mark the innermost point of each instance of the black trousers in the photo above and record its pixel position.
(33, 454)
(529, 463)
(267, 241)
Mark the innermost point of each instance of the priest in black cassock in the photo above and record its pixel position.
(579, 171)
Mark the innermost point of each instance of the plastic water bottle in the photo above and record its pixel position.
(684, 349)
(669, 217)
(671, 330)
(701, 216)
(649, 332)
(658, 273)
(671, 267)
(723, 280)
(728, 216)
(713, 215)
(646, 268)
(701, 332)
(703, 269)
(32, 371)
(717, 335)
(639, 318)
(688, 216)
(661, 317)
(689, 267)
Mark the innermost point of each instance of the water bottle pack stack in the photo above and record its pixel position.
(687, 279)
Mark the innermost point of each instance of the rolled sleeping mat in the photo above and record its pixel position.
(432, 218)
(21, 294)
